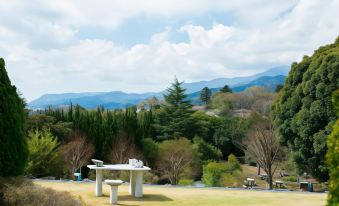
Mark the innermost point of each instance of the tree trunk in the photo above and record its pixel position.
(270, 180)
(259, 169)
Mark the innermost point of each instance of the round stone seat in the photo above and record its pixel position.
(114, 190)
(114, 182)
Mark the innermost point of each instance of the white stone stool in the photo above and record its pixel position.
(114, 189)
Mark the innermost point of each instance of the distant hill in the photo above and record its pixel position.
(265, 81)
(118, 99)
(232, 82)
(109, 100)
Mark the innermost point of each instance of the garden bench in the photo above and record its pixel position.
(114, 189)
(278, 183)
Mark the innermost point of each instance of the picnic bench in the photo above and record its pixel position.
(278, 183)
(249, 183)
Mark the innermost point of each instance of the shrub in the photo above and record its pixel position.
(290, 179)
(163, 180)
(212, 173)
(43, 158)
(150, 178)
(231, 180)
(233, 164)
(21, 191)
(186, 182)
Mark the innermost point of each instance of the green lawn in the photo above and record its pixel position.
(162, 195)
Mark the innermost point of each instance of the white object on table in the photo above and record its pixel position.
(136, 176)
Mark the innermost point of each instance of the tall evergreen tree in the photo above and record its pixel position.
(332, 157)
(174, 117)
(303, 112)
(226, 89)
(13, 145)
(205, 95)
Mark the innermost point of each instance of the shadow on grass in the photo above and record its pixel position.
(145, 198)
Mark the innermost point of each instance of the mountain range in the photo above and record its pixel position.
(118, 99)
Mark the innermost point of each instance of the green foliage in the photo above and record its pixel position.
(206, 151)
(222, 174)
(204, 125)
(13, 147)
(173, 119)
(303, 113)
(278, 88)
(233, 164)
(332, 157)
(59, 129)
(205, 95)
(226, 89)
(150, 151)
(222, 102)
(290, 178)
(186, 182)
(43, 158)
(102, 127)
(232, 180)
(230, 130)
(212, 173)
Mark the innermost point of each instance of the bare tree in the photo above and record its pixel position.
(175, 156)
(263, 146)
(123, 148)
(77, 152)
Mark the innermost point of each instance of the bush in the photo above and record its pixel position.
(212, 173)
(163, 180)
(290, 179)
(43, 158)
(21, 191)
(150, 178)
(233, 164)
(231, 180)
(186, 182)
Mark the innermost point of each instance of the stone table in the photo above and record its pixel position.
(136, 176)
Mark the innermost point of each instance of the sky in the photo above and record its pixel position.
(139, 46)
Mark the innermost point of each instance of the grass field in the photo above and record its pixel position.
(162, 196)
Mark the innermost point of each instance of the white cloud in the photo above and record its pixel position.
(44, 55)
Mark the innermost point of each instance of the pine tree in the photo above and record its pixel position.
(174, 116)
(226, 89)
(205, 95)
(13, 145)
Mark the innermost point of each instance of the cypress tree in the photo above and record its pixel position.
(13, 145)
